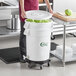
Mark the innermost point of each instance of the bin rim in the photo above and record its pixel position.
(38, 14)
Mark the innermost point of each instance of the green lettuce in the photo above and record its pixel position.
(38, 21)
(29, 20)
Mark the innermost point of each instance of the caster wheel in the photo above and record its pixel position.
(48, 64)
(29, 65)
(74, 35)
(49, 60)
(41, 67)
(32, 65)
(52, 38)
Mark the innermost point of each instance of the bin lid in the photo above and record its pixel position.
(38, 15)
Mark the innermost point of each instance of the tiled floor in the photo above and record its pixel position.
(56, 69)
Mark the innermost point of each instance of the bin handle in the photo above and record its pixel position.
(27, 32)
(27, 25)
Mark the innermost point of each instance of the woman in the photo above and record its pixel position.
(26, 5)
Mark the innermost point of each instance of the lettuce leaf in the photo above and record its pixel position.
(38, 21)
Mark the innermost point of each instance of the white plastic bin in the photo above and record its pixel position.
(32, 25)
(38, 36)
(38, 40)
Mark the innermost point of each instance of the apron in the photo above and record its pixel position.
(29, 5)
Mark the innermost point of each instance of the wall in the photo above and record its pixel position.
(61, 5)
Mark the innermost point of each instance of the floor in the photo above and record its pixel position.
(56, 69)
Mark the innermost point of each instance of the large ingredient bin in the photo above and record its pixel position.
(38, 34)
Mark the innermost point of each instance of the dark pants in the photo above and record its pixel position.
(22, 41)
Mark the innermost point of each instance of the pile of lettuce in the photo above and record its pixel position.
(38, 21)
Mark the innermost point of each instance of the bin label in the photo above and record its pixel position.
(42, 44)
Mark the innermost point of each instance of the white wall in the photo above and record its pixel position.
(1, 0)
(61, 5)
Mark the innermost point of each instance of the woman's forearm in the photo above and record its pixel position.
(48, 4)
(23, 14)
(22, 5)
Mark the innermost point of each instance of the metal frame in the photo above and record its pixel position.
(64, 23)
(64, 37)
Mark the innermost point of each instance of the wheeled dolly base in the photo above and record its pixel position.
(38, 62)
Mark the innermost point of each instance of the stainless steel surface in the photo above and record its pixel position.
(13, 23)
(17, 22)
(4, 32)
(5, 17)
(64, 38)
(17, 6)
(10, 3)
(4, 4)
(10, 24)
(73, 58)
(44, 4)
(58, 28)
(8, 7)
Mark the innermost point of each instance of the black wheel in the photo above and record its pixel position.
(49, 60)
(52, 38)
(41, 67)
(29, 65)
(48, 64)
(74, 35)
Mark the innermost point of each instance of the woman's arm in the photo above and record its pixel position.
(49, 6)
(22, 8)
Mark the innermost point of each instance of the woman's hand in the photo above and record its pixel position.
(23, 14)
(51, 11)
